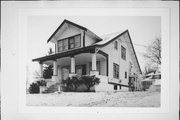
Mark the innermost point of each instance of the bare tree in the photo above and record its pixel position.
(153, 54)
(36, 74)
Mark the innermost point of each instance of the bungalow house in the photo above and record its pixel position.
(79, 51)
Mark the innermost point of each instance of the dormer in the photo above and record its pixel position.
(69, 36)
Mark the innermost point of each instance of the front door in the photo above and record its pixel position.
(81, 69)
(65, 72)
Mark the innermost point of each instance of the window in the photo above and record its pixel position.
(125, 74)
(62, 45)
(123, 53)
(115, 87)
(115, 70)
(116, 45)
(69, 43)
(77, 40)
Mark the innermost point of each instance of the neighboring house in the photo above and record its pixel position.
(152, 81)
(79, 51)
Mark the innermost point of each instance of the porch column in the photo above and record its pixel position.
(72, 65)
(94, 68)
(54, 77)
(55, 68)
(41, 69)
(93, 61)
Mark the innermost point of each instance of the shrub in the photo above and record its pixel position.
(71, 84)
(89, 81)
(68, 84)
(34, 87)
(41, 83)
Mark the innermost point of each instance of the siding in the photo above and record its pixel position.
(115, 57)
(71, 31)
(89, 40)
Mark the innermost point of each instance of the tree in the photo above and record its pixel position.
(48, 72)
(36, 74)
(148, 69)
(153, 54)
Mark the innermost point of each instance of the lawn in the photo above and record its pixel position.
(99, 99)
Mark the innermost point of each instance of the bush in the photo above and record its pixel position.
(41, 83)
(34, 87)
(90, 81)
(71, 84)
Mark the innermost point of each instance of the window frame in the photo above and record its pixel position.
(115, 71)
(125, 75)
(115, 87)
(123, 52)
(68, 39)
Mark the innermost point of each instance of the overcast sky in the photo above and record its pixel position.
(143, 30)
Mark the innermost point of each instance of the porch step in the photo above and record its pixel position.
(52, 88)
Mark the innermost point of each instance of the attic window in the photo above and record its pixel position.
(116, 45)
(123, 52)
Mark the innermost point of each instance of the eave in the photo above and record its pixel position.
(89, 49)
(102, 45)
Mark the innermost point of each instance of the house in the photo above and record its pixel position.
(79, 51)
(152, 81)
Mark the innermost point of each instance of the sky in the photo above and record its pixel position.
(143, 30)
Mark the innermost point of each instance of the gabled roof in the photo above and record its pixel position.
(111, 37)
(107, 38)
(76, 25)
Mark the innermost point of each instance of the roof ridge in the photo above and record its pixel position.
(120, 31)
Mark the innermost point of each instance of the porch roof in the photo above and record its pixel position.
(89, 49)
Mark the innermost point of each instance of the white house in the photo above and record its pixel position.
(78, 50)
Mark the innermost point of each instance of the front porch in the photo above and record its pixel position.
(88, 62)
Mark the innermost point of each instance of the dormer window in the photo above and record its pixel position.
(69, 43)
(75, 42)
(115, 45)
(62, 45)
